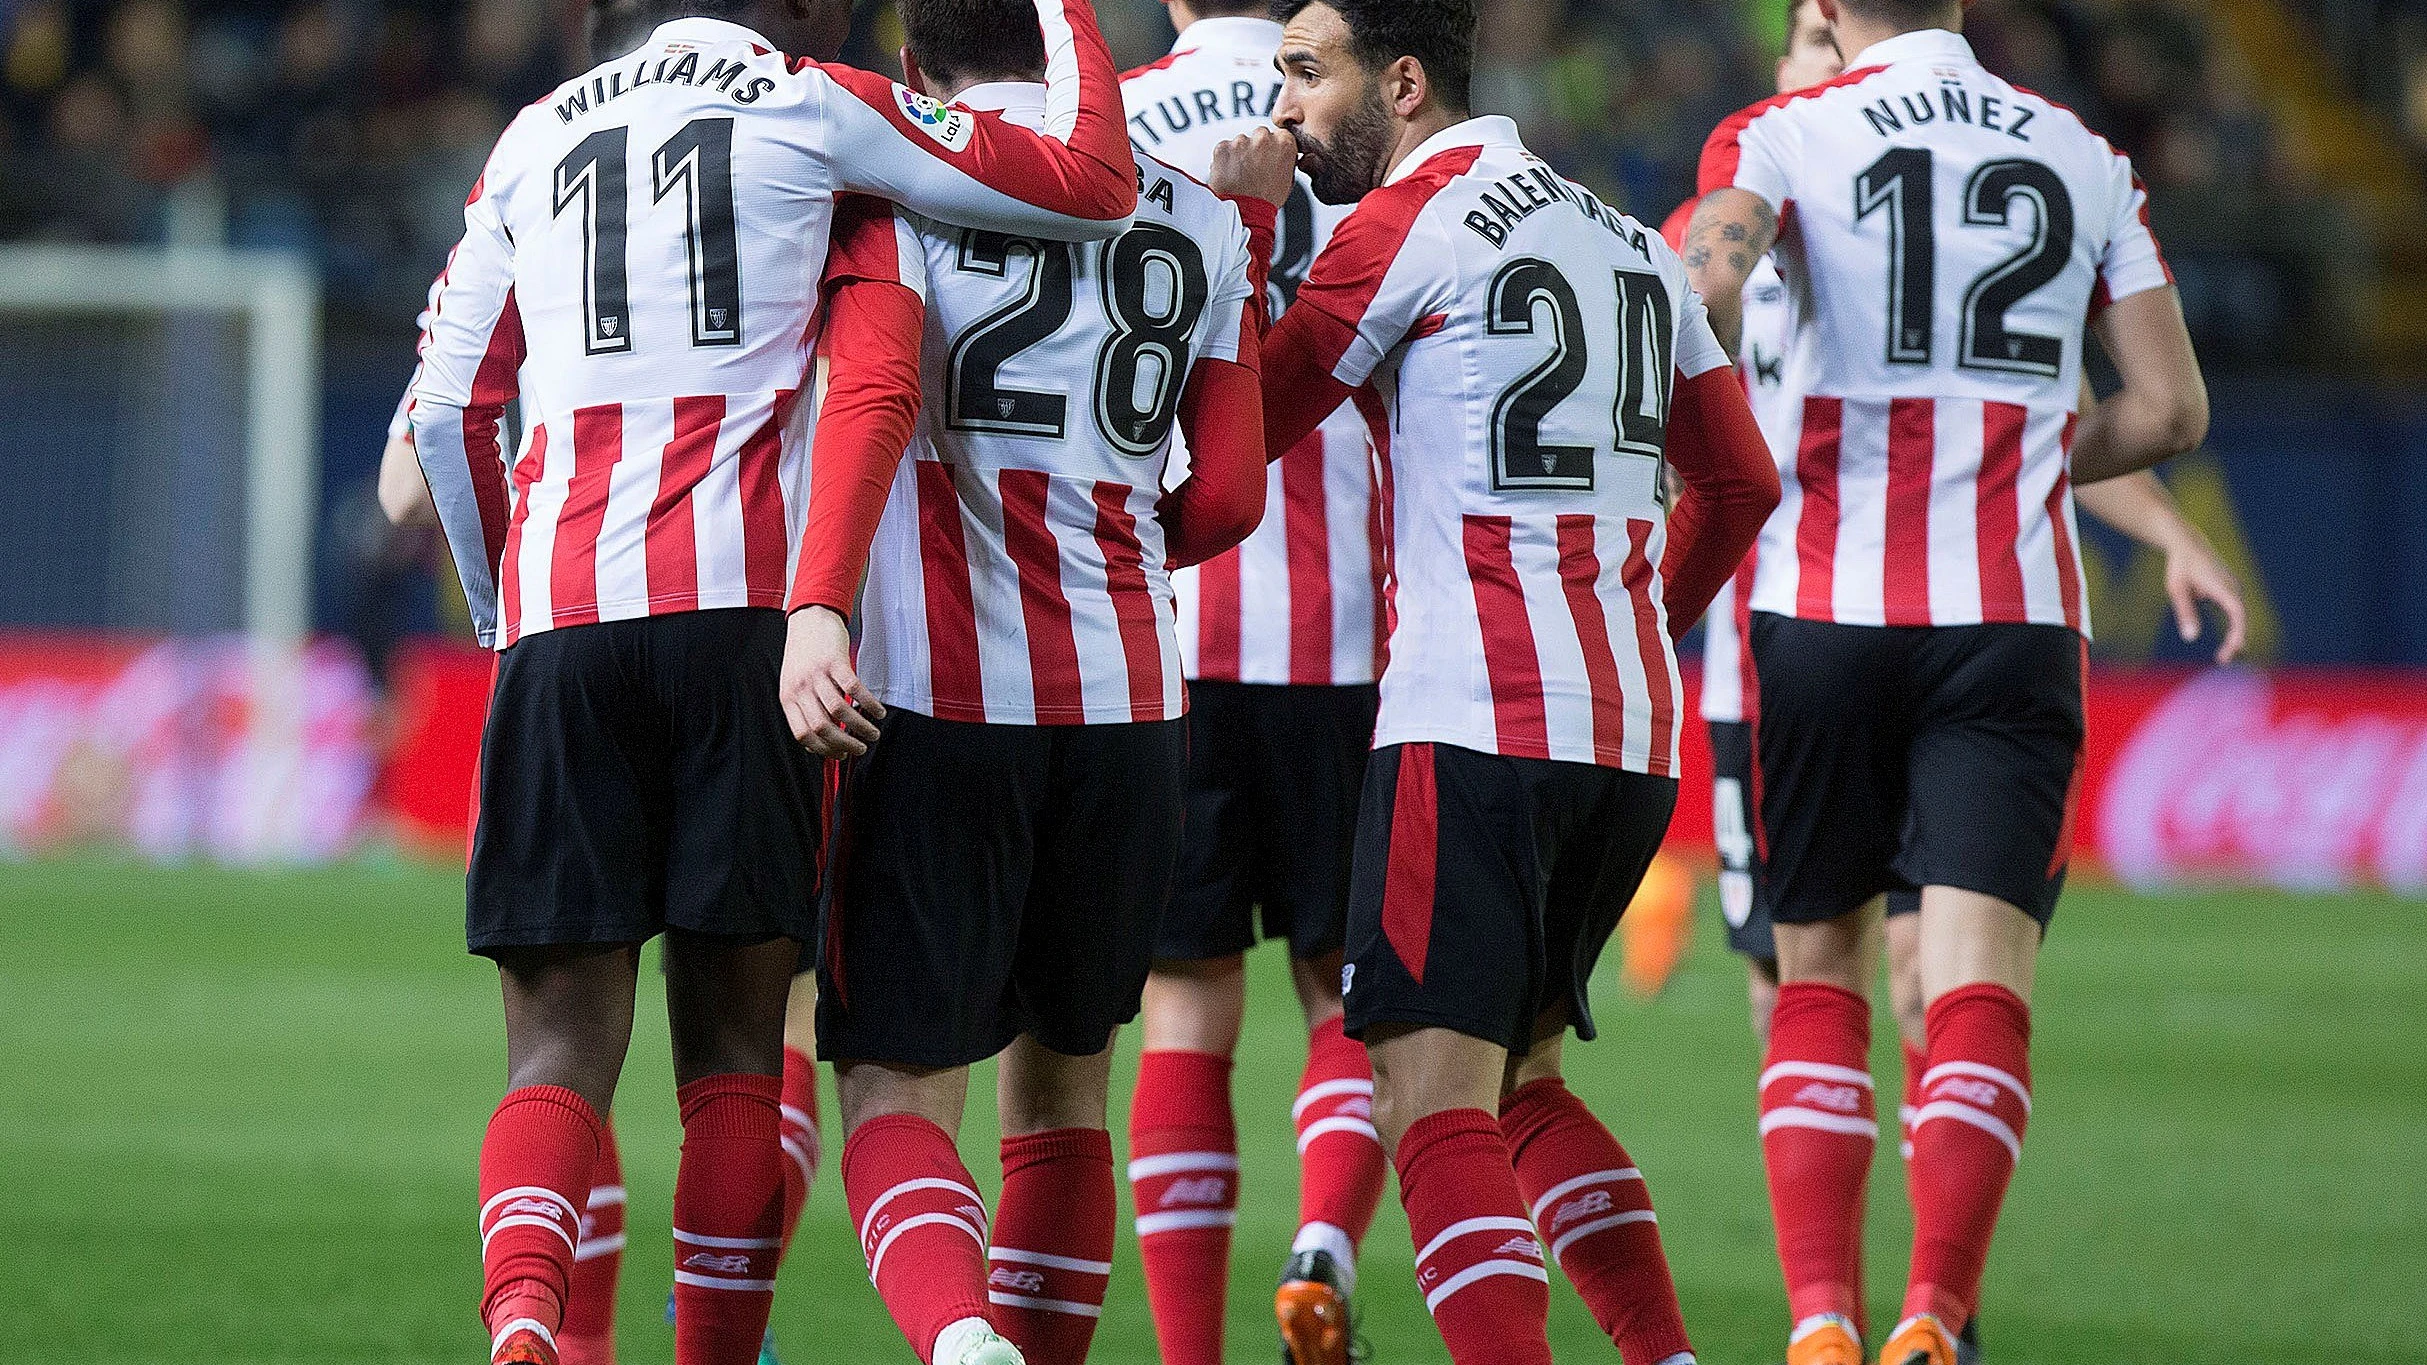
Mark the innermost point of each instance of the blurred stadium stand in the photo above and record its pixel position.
(2284, 141)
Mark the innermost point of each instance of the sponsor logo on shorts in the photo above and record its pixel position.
(1584, 1206)
(732, 1263)
(1348, 977)
(951, 128)
(1024, 1281)
(1205, 1189)
(1844, 1099)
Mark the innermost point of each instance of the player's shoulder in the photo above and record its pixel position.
(1812, 101)
(1151, 71)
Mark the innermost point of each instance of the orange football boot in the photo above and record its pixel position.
(523, 1342)
(1312, 1312)
(1825, 1340)
(1920, 1340)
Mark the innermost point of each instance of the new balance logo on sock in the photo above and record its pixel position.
(1980, 1093)
(1843, 1099)
(715, 1264)
(1519, 1246)
(1598, 1201)
(1206, 1190)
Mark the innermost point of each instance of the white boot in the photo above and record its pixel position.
(973, 1341)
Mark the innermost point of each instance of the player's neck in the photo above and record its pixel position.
(1413, 134)
(1856, 36)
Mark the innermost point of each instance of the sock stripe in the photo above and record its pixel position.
(797, 1116)
(1816, 1071)
(1467, 1227)
(1981, 1071)
(1172, 1163)
(714, 1282)
(526, 1192)
(799, 1153)
(1568, 1238)
(1338, 1123)
(529, 1220)
(1149, 1224)
(1317, 1093)
(1483, 1270)
(1567, 1187)
(531, 1325)
(607, 1196)
(1048, 1260)
(1076, 1310)
(930, 1182)
(1979, 1118)
(729, 1243)
(876, 1259)
(1821, 1119)
(592, 1248)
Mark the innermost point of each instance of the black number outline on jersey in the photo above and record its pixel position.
(1509, 310)
(1294, 255)
(1138, 333)
(972, 385)
(1647, 329)
(975, 400)
(1988, 202)
(699, 160)
(1901, 182)
(593, 173)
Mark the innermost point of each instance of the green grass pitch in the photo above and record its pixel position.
(238, 1115)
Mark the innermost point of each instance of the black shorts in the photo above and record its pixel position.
(1273, 778)
(1486, 887)
(637, 776)
(995, 880)
(1743, 908)
(1898, 757)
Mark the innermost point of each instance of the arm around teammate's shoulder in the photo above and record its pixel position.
(2162, 409)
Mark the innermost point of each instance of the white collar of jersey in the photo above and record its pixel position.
(1230, 30)
(1921, 45)
(1490, 130)
(701, 29)
(1021, 103)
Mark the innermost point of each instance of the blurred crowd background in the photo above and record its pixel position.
(349, 128)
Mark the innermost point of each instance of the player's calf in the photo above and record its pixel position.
(1184, 1184)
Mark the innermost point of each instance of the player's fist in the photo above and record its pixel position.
(832, 714)
(1259, 165)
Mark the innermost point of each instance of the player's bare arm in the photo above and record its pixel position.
(2140, 506)
(2162, 409)
(1730, 233)
(403, 494)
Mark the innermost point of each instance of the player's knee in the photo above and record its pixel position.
(1196, 1006)
(1041, 1090)
(1317, 980)
(873, 1090)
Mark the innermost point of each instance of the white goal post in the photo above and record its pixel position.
(277, 294)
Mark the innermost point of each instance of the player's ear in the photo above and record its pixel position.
(1828, 10)
(1405, 86)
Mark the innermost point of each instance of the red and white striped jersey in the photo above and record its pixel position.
(1943, 236)
(1019, 576)
(1526, 339)
(640, 265)
(1298, 601)
(1727, 658)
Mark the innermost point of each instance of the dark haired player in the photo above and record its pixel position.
(1282, 640)
(1917, 614)
(1008, 847)
(639, 266)
(1544, 363)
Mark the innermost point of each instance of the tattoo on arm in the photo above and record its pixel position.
(1729, 232)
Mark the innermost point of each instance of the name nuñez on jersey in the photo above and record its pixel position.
(1955, 104)
(682, 70)
(1530, 191)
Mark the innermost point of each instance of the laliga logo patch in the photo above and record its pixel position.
(951, 128)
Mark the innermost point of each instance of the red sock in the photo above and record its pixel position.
(800, 1135)
(728, 1218)
(1818, 1126)
(1975, 1100)
(1477, 1262)
(922, 1224)
(588, 1336)
(535, 1167)
(1916, 1062)
(1052, 1254)
(1184, 1184)
(1590, 1202)
(1341, 1164)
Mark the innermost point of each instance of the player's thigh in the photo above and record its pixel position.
(1616, 823)
(1106, 851)
(742, 848)
(1741, 906)
(1995, 759)
(1310, 775)
(570, 845)
(931, 869)
(1211, 912)
(1829, 763)
(1445, 925)
(725, 1003)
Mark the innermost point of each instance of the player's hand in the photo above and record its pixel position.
(833, 714)
(1258, 165)
(2194, 574)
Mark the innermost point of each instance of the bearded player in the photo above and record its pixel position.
(1280, 640)
(1917, 616)
(1542, 361)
